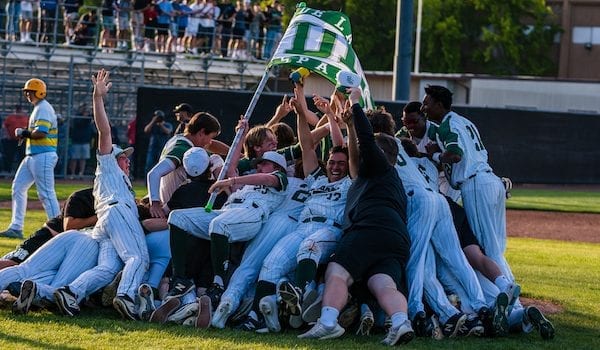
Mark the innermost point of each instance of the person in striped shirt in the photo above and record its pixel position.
(37, 167)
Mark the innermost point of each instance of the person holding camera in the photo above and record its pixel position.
(160, 131)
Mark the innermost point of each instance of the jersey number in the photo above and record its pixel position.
(424, 172)
(334, 196)
(301, 196)
(476, 139)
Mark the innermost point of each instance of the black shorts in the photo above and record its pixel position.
(162, 28)
(364, 253)
(238, 33)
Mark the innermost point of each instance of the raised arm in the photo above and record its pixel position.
(102, 85)
(334, 129)
(307, 144)
(353, 152)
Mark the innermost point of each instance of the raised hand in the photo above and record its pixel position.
(101, 82)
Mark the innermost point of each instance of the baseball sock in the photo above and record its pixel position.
(502, 283)
(305, 272)
(398, 318)
(219, 252)
(329, 316)
(263, 288)
(179, 247)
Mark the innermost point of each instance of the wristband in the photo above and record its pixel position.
(26, 133)
(436, 157)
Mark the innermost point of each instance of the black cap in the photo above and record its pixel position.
(183, 107)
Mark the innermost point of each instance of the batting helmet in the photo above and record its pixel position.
(36, 85)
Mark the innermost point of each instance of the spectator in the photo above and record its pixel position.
(13, 10)
(26, 17)
(274, 15)
(137, 22)
(165, 12)
(183, 11)
(82, 131)
(10, 143)
(150, 21)
(123, 10)
(226, 22)
(160, 132)
(85, 30)
(238, 44)
(183, 114)
(206, 31)
(47, 19)
(189, 42)
(257, 31)
(70, 15)
(108, 24)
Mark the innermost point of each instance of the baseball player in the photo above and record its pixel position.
(118, 231)
(40, 158)
(240, 219)
(168, 174)
(464, 158)
(318, 230)
(55, 264)
(375, 243)
(422, 131)
(78, 212)
(430, 227)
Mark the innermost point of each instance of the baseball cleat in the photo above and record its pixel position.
(251, 325)
(183, 313)
(12, 233)
(126, 307)
(433, 328)
(539, 321)
(399, 335)
(366, 320)
(161, 314)
(472, 327)
(222, 314)
(453, 325)
(110, 290)
(214, 293)
(311, 305)
(66, 302)
(268, 307)
(180, 287)
(205, 311)
(486, 317)
(290, 295)
(500, 318)
(23, 303)
(146, 302)
(318, 331)
(242, 310)
(419, 324)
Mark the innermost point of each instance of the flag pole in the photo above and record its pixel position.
(238, 136)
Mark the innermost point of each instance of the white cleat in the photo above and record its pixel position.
(268, 307)
(222, 314)
(321, 332)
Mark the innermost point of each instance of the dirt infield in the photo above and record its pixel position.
(573, 227)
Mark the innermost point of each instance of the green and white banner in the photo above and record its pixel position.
(320, 41)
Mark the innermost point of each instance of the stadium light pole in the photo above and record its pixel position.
(418, 36)
(403, 51)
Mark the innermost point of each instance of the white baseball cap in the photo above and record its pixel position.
(117, 151)
(347, 79)
(195, 161)
(274, 157)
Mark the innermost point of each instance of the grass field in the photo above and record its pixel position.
(563, 273)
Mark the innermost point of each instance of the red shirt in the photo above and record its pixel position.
(14, 121)
(131, 132)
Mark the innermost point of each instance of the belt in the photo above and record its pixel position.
(239, 201)
(323, 220)
(472, 176)
(117, 202)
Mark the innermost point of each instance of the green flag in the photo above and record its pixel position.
(321, 42)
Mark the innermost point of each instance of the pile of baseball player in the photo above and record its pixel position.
(350, 227)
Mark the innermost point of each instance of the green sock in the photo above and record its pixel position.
(179, 246)
(219, 251)
(306, 271)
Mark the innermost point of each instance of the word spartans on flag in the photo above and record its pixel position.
(321, 42)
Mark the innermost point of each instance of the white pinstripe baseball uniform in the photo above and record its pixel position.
(118, 231)
(55, 264)
(281, 222)
(430, 220)
(482, 192)
(241, 217)
(318, 231)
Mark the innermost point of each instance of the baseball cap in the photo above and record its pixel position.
(273, 157)
(346, 79)
(183, 107)
(117, 151)
(195, 161)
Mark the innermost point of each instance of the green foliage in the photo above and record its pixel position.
(487, 36)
